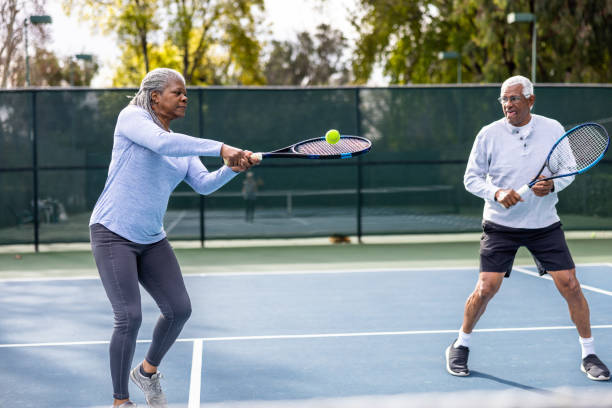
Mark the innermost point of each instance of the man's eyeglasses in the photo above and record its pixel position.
(504, 99)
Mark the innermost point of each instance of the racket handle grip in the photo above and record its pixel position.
(521, 191)
(258, 156)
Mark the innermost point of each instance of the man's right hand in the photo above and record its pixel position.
(507, 198)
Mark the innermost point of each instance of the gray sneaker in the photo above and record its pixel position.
(151, 387)
(594, 368)
(456, 360)
(126, 404)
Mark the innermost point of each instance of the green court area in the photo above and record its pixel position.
(264, 256)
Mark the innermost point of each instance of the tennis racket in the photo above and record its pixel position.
(319, 149)
(578, 150)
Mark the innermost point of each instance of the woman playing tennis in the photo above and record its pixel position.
(127, 236)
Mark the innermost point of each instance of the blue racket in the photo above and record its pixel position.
(578, 150)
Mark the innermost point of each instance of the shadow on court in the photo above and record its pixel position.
(509, 383)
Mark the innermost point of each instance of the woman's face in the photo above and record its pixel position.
(172, 102)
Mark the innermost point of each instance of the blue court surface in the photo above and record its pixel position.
(303, 335)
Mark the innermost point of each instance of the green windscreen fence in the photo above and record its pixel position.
(56, 146)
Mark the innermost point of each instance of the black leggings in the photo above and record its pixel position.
(122, 264)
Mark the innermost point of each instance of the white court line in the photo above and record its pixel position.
(43, 279)
(587, 287)
(262, 273)
(299, 220)
(338, 271)
(315, 335)
(285, 272)
(196, 374)
(361, 270)
(176, 221)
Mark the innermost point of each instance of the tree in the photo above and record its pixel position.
(216, 34)
(47, 69)
(13, 13)
(209, 41)
(134, 21)
(574, 40)
(309, 61)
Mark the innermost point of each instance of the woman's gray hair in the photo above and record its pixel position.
(519, 80)
(156, 80)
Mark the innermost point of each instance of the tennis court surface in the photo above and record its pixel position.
(336, 326)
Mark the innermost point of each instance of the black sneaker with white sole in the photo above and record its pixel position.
(456, 360)
(594, 368)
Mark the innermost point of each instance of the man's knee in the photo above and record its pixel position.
(567, 283)
(486, 292)
(488, 285)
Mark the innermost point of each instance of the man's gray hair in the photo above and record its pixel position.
(156, 80)
(519, 79)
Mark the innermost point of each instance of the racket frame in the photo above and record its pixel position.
(535, 180)
(290, 152)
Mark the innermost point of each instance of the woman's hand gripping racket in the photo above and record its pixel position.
(578, 150)
(319, 149)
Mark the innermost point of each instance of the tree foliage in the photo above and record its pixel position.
(311, 60)
(208, 41)
(13, 19)
(574, 40)
(216, 40)
(46, 68)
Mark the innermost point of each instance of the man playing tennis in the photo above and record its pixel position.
(505, 155)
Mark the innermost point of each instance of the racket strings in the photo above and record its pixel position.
(579, 150)
(344, 145)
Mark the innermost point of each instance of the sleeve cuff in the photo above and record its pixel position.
(491, 190)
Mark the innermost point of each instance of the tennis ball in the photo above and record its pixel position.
(332, 136)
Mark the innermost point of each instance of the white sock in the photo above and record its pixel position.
(587, 345)
(463, 339)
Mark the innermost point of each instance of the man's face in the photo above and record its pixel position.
(515, 106)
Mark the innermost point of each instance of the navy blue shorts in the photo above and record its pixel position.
(498, 246)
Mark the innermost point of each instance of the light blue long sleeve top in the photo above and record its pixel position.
(146, 166)
(507, 157)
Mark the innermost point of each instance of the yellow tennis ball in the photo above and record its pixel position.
(332, 136)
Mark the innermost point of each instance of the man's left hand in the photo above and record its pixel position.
(542, 188)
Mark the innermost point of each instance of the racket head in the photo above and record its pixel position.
(318, 148)
(579, 149)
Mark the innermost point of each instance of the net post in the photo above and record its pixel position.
(289, 203)
(359, 165)
(202, 231)
(33, 137)
(202, 202)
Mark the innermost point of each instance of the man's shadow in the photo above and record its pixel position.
(478, 374)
